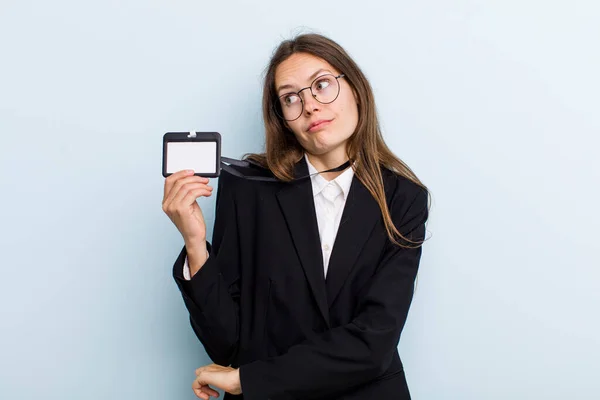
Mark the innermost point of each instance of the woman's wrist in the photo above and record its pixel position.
(197, 256)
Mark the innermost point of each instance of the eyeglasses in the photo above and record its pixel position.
(325, 89)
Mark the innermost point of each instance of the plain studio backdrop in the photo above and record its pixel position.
(494, 104)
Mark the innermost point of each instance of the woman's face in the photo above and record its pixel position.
(321, 129)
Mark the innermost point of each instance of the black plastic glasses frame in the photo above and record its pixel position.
(278, 105)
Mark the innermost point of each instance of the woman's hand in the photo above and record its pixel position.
(224, 378)
(179, 203)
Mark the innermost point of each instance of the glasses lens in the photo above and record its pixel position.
(290, 106)
(325, 88)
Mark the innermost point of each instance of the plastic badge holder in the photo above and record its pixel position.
(200, 151)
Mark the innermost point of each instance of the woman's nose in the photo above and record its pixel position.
(310, 103)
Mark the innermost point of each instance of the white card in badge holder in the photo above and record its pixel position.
(199, 151)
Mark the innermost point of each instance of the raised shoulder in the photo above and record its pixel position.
(406, 199)
(244, 187)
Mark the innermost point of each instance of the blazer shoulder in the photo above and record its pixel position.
(229, 181)
(404, 194)
(239, 184)
(401, 185)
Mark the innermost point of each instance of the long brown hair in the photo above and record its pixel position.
(366, 146)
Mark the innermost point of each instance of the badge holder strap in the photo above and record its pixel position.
(246, 164)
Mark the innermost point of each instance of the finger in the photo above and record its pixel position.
(189, 193)
(197, 388)
(171, 179)
(174, 188)
(210, 391)
(191, 197)
(181, 183)
(202, 395)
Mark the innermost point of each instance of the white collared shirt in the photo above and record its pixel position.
(330, 199)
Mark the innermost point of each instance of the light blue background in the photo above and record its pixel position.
(495, 105)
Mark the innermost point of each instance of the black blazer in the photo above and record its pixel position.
(261, 301)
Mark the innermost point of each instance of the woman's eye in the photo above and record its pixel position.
(322, 84)
(291, 99)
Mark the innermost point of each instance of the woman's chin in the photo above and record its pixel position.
(321, 148)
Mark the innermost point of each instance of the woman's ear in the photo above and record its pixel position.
(356, 97)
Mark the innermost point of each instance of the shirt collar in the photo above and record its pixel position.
(344, 180)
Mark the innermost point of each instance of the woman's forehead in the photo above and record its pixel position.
(300, 69)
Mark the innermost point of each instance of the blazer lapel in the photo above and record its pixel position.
(298, 207)
(360, 214)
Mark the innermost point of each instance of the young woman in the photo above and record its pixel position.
(306, 287)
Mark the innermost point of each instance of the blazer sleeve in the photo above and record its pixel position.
(212, 295)
(349, 355)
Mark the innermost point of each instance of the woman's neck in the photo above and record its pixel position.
(330, 160)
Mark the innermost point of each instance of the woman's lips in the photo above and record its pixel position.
(319, 125)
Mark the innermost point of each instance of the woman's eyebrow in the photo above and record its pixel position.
(310, 78)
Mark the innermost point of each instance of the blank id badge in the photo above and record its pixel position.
(200, 151)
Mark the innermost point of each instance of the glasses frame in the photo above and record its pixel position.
(278, 105)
